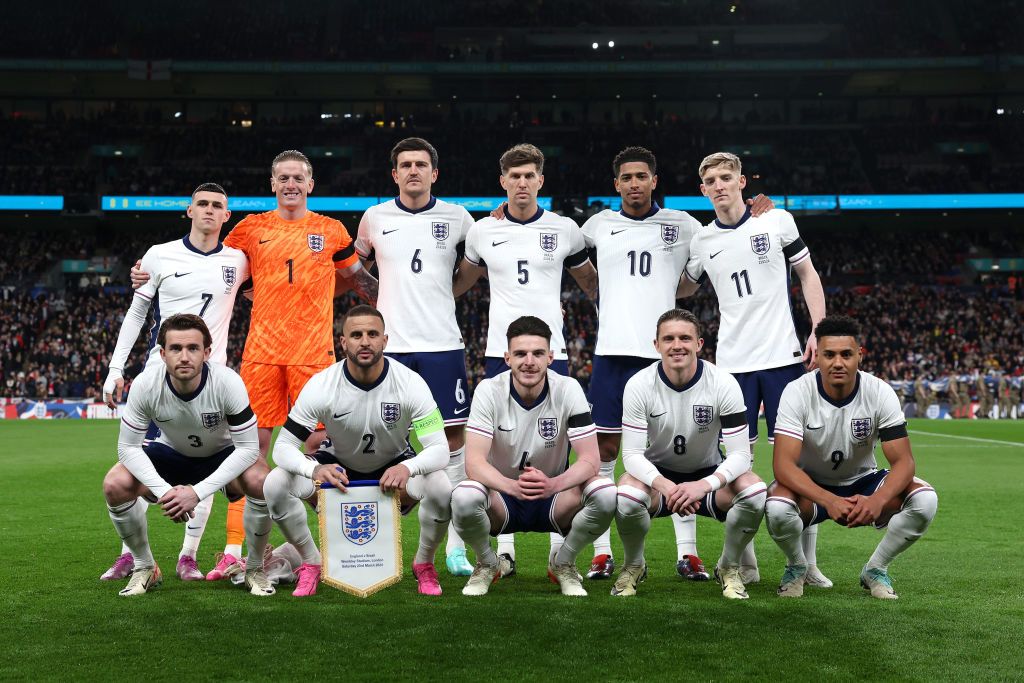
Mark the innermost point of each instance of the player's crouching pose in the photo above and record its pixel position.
(521, 424)
(207, 442)
(672, 414)
(369, 404)
(828, 424)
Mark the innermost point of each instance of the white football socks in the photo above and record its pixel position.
(785, 527)
(456, 471)
(686, 535)
(130, 522)
(633, 521)
(433, 491)
(257, 523)
(598, 500)
(741, 523)
(195, 527)
(906, 526)
(470, 501)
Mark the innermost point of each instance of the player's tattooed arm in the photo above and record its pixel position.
(686, 288)
(586, 278)
(365, 285)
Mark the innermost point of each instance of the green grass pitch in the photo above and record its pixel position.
(960, 614)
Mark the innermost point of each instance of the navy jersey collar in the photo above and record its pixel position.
(430, 205)
(654, 209)
(202, 383)
(518, 399)
(745, 217)
(693, 380)
(366, 387)
(188, 245)
(838, 404)
(535, 217)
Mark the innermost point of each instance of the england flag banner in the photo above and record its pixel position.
(360, 538)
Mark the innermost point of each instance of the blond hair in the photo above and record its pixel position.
(717, 159)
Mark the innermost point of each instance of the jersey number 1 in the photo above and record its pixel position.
(736, 277)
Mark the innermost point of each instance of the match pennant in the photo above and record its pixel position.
(360, 538)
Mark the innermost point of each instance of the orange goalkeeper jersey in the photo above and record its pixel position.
(292, 265)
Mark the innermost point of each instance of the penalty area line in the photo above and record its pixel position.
(967, 438)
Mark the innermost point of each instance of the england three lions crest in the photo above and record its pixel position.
(315, 243)
(669, 233)
(211, 420)
(760, 243)
(230, 275)
(439, 231)
(548, 241)
(861, 428)
(390, 412)
(703, 415)
(359, 522)
(547, 427)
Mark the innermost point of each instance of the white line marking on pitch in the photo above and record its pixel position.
(968, 438)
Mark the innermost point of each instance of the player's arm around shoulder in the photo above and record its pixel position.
(472, 267)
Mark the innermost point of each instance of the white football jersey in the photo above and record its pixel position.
(415, 251)
(639, 263)
(196, 425)
(186, 280)
(748, 264)
(681, 425)
(537, 436)
(839, 438)
(368, 425)
(524, 262)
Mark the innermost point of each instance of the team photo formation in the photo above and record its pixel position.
(526, 449)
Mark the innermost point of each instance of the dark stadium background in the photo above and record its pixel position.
(835, 99)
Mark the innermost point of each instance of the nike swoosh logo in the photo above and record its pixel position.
(659, 414)
(717, 253)
(502, 429)
(265, 241)
(616, 232)
(261, 535)
(182, 274)
(193, 528)
(159, 420)
(341, 415)
(388, 232)
(494, 244)
(461, 410)
(810, 427)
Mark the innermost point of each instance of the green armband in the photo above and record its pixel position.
(427, 425)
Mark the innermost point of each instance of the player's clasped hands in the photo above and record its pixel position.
(839, 509)
(179, 503)
(534, 485)
(866, 510)
(685, 498)
(330, 474)
(395, 478)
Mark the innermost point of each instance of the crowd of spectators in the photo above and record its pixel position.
(922, 311)
(76, 156)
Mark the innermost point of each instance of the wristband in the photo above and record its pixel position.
(714, 482)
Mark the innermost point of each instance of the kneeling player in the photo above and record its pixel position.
(521, 424)
(828, 424)
(207, 441)
(672, 413)
(369, 404)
